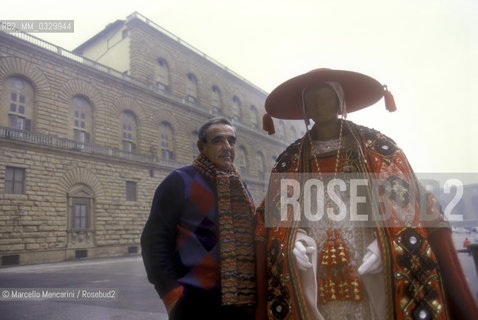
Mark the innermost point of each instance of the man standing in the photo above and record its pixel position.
(466, 243)
(198, 243)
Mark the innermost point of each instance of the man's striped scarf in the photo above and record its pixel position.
(236, 233)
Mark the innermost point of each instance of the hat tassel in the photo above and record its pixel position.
(268, 124)
(389, 100)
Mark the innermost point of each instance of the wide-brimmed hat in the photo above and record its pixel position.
(360, 91)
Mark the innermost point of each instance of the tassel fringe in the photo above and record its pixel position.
(389, 100)
(268, 124)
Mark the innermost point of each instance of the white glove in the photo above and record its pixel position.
(301, 255)
(372, 260)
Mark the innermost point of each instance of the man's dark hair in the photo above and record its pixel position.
(210, 122)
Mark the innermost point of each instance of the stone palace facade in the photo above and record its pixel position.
(86, 136)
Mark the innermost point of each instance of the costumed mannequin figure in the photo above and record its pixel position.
(401, 265)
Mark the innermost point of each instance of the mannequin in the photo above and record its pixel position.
(388, 270)
(322, 105)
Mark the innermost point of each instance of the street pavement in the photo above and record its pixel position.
(135, 297)
(467, 262)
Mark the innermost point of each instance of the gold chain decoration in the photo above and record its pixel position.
(339, 281)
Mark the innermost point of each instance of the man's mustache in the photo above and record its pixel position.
(226, 154)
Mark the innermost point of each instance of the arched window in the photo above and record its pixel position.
(242, 160)
(216, 100)
(82, 118)
(293, 132)
(167, 152)
(254, 117)
(128, 131)
(191, 88)
(236, 108)
(162, 79)
(81, 222)
(81, 198)
(81, 211)
(17, 103)
(282, 134)
(194, 146)
(260, 164)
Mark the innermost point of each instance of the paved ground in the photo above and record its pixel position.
(467, 262)
(136, 298)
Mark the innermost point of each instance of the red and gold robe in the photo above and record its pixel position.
(423, 278)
